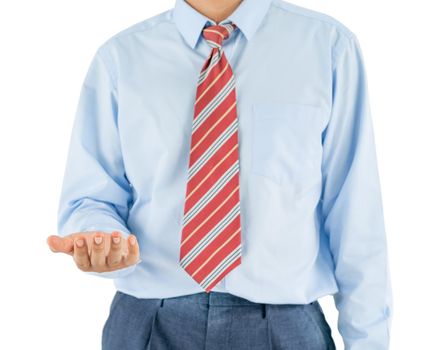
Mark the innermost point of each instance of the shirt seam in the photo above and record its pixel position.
(120, 35)
(332, 22)
(147, 27)
(338, 51)
(110, 72)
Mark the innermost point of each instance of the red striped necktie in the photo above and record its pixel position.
(211, 228)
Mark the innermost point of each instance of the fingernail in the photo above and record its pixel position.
(79, 243)
(98, 239)
(132, 240)
(116, 239)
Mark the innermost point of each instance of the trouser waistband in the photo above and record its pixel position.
(216, 298)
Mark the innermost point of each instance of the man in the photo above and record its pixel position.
(223, 155)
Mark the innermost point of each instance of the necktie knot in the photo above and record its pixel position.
(216, 34)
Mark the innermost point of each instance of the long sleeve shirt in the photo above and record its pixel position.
(310, 199)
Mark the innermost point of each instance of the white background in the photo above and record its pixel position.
(45, 49)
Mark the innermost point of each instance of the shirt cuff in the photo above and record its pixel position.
(116, 273)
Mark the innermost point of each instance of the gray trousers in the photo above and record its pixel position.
(213, 321)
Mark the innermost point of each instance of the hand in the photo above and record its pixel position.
(97, 251)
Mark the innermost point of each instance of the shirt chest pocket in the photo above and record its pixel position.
(287, 143)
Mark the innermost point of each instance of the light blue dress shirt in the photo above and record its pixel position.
(311, 211)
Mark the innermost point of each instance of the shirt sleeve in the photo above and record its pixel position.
(352, 208)
(95, 193)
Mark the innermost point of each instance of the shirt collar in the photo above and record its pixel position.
(247, 16)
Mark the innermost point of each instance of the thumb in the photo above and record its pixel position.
(61, 244)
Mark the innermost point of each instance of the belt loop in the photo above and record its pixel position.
(264, 310)
(161, 303)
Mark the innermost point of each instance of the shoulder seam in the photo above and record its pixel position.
(110, 71)
(142, 26)
(148, 27)
(343, 29)
(338, 52)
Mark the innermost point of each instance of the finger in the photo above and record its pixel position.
(98, 257)
(81, 254)
(133, 251)
(61, 244)
(88, 236)
(114, 257)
